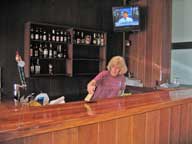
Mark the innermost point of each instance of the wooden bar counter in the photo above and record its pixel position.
(161, 117)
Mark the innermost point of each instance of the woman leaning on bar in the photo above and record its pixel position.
(111, 82)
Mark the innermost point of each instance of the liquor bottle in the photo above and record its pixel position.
(98, 39)
(68, 37)
(40, 34)
(40, 51)
(54, 51)
(36, 33)
(74, 37)
(49, 35)
(45, 51)
(32, 33)
(53, 35)
(61, 36)
(57, 36)
(36, 51)
(32, 68)
(44, 35)
(64, 53)
(31, 50)
(94, 39)
(82, 38)
(78, 39)
(50, 69)
(59, 51)
(65, 37)
(88, 38)
(37, 67)
(50, 51)
(102, 39)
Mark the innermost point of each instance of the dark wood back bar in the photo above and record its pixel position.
(162, 117)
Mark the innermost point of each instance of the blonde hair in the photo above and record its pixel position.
(119, 62)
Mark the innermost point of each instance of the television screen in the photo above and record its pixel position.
(126, 18)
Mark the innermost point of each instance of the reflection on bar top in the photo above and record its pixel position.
(180, 94)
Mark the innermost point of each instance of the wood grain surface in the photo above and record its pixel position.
(154, 117)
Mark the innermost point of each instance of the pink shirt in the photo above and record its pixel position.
(108, 86)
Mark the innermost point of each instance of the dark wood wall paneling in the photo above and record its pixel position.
(166, 38)
(147, 56)
(114, 39)
(3, 31)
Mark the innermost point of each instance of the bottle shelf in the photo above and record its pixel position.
(54, 42)
(89, 45)
(85, 59)
(50, 75)
(52, 50)
(49, 59)
(85, 74)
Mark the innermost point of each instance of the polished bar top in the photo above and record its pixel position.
(22, 121)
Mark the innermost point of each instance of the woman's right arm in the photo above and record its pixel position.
(91, 86)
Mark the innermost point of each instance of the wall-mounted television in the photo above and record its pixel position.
(126, 18)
